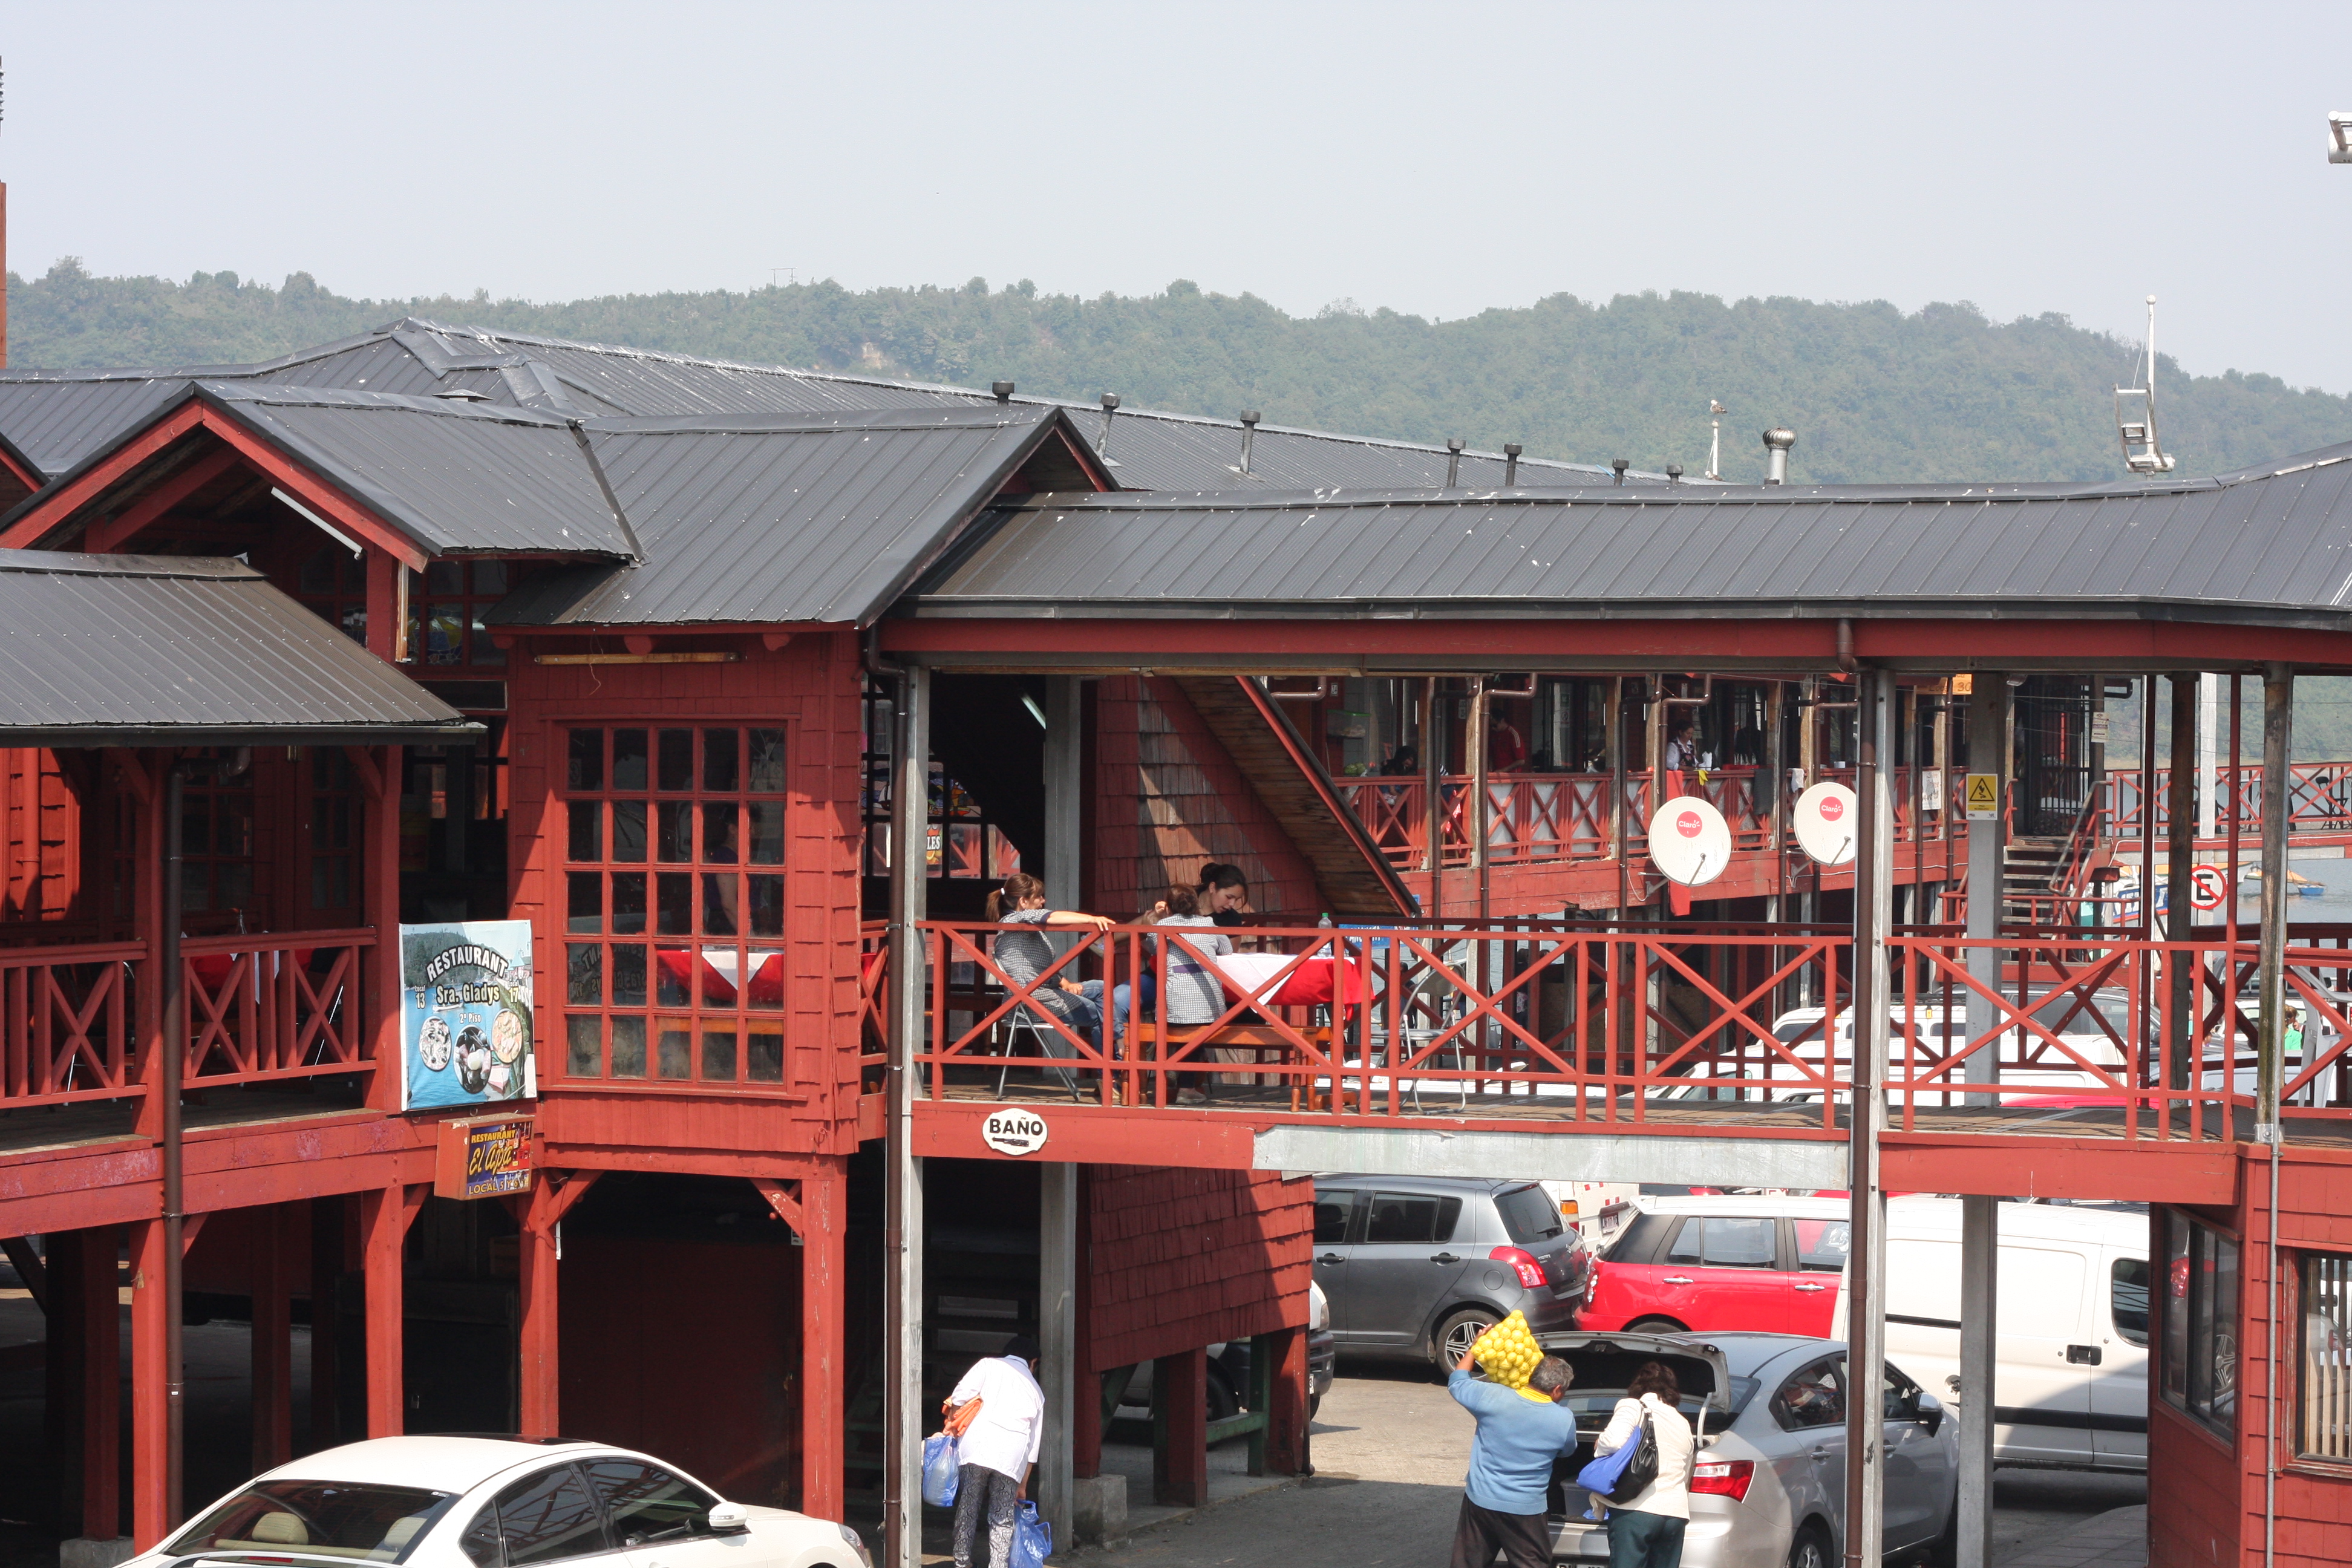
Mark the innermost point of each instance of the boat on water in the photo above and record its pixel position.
(2249, 879)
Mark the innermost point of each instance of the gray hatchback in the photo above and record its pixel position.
(1419, 1266)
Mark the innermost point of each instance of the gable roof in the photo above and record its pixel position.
(2272, 544)
(135, 651)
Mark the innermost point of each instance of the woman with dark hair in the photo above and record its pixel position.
(1223, 894)
(1024, 954)
(1647, 1531)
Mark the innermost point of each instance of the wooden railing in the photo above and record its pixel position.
(2319, 799)
(66, 1022)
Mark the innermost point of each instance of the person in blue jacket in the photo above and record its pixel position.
(1510, 1465)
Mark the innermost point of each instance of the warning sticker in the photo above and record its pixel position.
(1984, 796)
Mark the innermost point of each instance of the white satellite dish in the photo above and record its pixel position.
(1689, 840)
(1829, 820)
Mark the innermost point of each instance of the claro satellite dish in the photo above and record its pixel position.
(1689, 840)
(1828, 823)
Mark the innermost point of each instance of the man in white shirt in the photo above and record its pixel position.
(998, 1450)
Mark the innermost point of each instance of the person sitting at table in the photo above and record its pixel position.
(1195, 994)
(1223, 894)
(1142, 994)
(1025, 955)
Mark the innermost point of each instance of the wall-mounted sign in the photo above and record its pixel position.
(1984, 797)
(465, 1014)
(2209, 886)
(1013, 1132)
(482, 1157)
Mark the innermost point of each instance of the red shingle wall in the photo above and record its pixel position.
(2193, 1493)
(1169, 798)
(1179, 1259)
(43, 822)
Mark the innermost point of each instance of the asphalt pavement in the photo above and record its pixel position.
(1389, 1451)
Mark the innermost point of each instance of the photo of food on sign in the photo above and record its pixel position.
(465, 1014)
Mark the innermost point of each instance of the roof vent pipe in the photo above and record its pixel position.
(1618, 466)
(1511, 450)
(1110, 408)
(1004, 390)
(1777, 442)
(1454, 445)
(1674, 473)
(1249, 436)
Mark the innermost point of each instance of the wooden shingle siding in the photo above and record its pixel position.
(1179, 1258)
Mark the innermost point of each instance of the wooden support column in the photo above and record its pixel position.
(824, 1303)
(273, 1339)
(378, 770)
(329, 1220)
(1180, 1429)
(385, 1218)
(99, 1298)
(150, 1437)
(1282, 1355)
(539, 1383)
(143, 772)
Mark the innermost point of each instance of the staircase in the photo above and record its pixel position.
(2031, 871)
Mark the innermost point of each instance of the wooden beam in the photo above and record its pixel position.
(385, 1218)
(109, 534)
(786, 1205)
(364, 768)
(29, 1268)
(63, 500)
(635, 658)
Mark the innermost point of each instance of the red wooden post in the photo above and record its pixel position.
(1180, 1429)
(273, 1340)
(328, 1223)
(380, 885)
(1285, 1431)
(102, 1384)
(149, 1418)
(147, 916)
(822, 1265)
(384, 1217)
(539, 1389)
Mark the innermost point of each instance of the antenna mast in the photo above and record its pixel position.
(2150, 457)
(1715, 439)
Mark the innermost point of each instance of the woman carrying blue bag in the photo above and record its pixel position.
(1641, 1472)
(996, 1418)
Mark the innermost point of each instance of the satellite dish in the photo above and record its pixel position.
(1828, 822)
(1689, 840)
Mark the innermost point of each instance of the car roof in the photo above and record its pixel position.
(1741, 1204)
(443, 1464)
(2023, 1222)
(1426, 1184)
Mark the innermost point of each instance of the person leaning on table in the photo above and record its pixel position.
(1647, 1531)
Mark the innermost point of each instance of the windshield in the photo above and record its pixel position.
(1529, 1215)
(333, 1519)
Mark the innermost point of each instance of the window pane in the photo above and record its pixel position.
(673, 977)
(489, 578)
(480, 1540)
(2327, 1357)
(719, 827)
(2176, 1310)
(550, 1516)
(673, 839)
(485, 650)
(677, 758)
(586, 840)
(445, 576)
(629, 831)
(196, 825)
(646, 1503)
(585, 908)
(585, 768)
(584, 970)
(628, 759)
(676, 1049)
(1686, 1241)
(721, 772)
(767, 832)
(233, 828)
(676, 916)
(628, 903)
(584, 1040)
(628, 1047)
(2219, 1356)
(1741, 1243)
(719, 1056)
(1822, 1244)
(628, 974)
(766, 1063)
(1402, 1218)
(1331, 1217)
(1812, 1397)
(767, 771)
(445, 635)
(720, 893)
(767, 905)
(2128, 1293)
(766, 989)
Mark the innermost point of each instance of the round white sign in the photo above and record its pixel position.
(1013, 1132)
(1827, 821)
(2209, 886)
(1689, 840)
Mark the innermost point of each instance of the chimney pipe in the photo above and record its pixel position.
(1674, 473)
(1620, 465)
(1004, 390)
(1777, 442)
(1511, 450)
(1249, 436)
(1102, 438)
(1454, 445)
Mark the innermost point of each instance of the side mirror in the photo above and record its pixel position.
(730, 1519)
(1931, 1413)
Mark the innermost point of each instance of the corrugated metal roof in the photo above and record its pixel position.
(766, 518)
(2274, 543)
(164, 650)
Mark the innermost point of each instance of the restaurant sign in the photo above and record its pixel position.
(483, 1157)
(465, 1014)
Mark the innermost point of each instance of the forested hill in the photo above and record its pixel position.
(1874, 393)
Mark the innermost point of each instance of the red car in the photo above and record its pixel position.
(1716, 1264)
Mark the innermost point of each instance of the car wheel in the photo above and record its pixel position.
(1656, 1326)
(1222, 1398)
(1809, 1550)
(1459, 1333)
(1313, 1403)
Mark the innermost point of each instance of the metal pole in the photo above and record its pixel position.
(1874, 900)
(2209, 734)
(902, 1239)
(2270, 981)
(1479, 805)
(176, 1051)
(1432, 796)
(2180, 856)
(2237, 798)
(1057, 1338)
(1613, 715)
(1979, 1298)
(1987, 727)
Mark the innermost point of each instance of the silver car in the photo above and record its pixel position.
(1767, 1486)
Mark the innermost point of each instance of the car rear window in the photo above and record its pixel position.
(1639, 1238)
(1529, 1215)
(1822, 1244)
(1411, 1219)
(331, 1518)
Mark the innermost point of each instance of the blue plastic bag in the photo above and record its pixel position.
(1033, 1537)
(1599, 1477)
(942, 1470)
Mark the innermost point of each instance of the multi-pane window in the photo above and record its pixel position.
(2200, 1323)
(332, 583)
(446, 604)
(334, 814)
(2327, 1360)
(674, 903)
(217, 852)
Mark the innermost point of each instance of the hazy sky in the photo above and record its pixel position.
(1436, 159)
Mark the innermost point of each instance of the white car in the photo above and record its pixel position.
(496, 1502)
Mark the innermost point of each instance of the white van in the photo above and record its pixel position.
(2070, 1348)
(1928, 1031)
(1598, 1209)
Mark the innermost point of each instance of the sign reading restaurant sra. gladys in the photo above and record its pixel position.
(465, 1014)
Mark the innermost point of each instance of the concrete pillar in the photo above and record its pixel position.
(1874, 887)
(902, 1234)
(273, 1340)
(1979, 1294)
(2181, 859)
(2270, 980)
(2208, 732)
(824, 1307)
(1987, 732)
(1057, 1335)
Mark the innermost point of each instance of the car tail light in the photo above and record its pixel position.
(1723, 1478)
(1530, 1271)
(1592, 1272)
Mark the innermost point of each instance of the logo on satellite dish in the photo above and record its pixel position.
(1688, 824)
(1832, 808)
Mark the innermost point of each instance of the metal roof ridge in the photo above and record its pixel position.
(286, 395)
(183, 568)
(36, 376)
(885, 421)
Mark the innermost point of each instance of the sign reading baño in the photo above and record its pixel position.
(1013, 1132)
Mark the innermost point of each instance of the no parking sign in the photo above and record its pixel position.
(2208, 887)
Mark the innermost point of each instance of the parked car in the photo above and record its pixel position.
(1228, 1377)
(1722, 1263)
(1767, 1480)
(1420, 1266)
(498, 1503)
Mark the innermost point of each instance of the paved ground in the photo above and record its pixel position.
(1390, 1448)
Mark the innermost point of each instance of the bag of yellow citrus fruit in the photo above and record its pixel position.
(1510, 1354)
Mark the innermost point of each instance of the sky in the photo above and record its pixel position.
(1437, 160)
